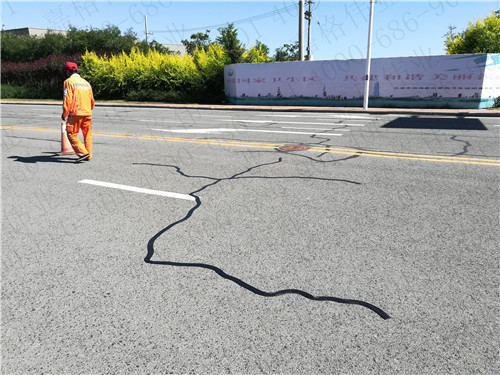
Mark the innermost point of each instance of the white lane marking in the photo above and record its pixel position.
(293, 122)
(238, 130)
(341, 123)
(145, 108)
(197, 131)
(170, 122)
(138, 190)
(296, 127)
(253, 121)
(322, 116)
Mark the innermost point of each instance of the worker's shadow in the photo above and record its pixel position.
(52, 158)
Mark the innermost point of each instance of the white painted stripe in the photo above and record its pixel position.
(197, 131)
(341, 123)
(252, 121)
(155, 108)
(296, 127)
(367, 117)
(295, 122)
(166, 121)
(138, 190)
(237, 130)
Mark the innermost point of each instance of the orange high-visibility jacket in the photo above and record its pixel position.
(78, 97)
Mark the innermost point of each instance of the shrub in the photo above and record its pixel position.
(147, 95)
(46, 74)
(156, 76)
(210, 65)
(27, 92)
(138, 75)
(255, 55)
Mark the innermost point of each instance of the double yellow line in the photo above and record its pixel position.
(332, 150)
(396, 155)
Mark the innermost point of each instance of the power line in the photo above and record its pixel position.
(258, 17)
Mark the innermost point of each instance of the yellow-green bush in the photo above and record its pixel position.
(185, 78)
(255, 55)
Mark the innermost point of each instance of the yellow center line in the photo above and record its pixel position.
(377, 154)
(354, 151)
(163, 138)
(151, 137)
(421, 158)
(190, 140)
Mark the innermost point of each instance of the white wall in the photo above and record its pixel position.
(451, 80)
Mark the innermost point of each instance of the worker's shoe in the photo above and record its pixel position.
(82, 158)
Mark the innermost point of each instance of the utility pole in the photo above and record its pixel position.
(301, 30)
(368, 58)
(146, 24)
(308, 15)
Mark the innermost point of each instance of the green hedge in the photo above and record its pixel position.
(135, 76)
(27, 92)
(40, 79)
(158, 77)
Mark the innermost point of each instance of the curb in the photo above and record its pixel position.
(381, 111)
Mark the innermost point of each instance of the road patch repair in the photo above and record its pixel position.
(293, 148)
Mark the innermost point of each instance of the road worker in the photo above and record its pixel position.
(77, 111)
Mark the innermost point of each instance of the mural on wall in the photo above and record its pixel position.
(450, 81)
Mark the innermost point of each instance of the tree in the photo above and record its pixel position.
(228, 39)
(198, 40)
(144, 47)
(107, 40)
(25, 48)
(255, 55)
(483, 36)
(262, 46)
(289, 52)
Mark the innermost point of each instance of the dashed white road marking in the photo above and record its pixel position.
(322, 116)
(292, 122)
(239, 130)
(248, 121)
(297, 127)
(341, 123)
(138, 189)
(166, 121)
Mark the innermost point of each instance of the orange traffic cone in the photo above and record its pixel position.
(66, 148)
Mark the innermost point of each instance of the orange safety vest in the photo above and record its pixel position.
(78, 97)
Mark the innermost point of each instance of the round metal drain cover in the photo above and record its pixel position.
(293, 148)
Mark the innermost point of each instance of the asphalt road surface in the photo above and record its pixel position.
(195, 242)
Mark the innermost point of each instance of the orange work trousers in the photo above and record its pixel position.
(73, 126)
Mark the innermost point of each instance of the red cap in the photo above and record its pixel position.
(71, 66)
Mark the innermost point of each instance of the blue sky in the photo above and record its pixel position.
(339, 29)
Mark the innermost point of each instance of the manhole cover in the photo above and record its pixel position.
(293, 148)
